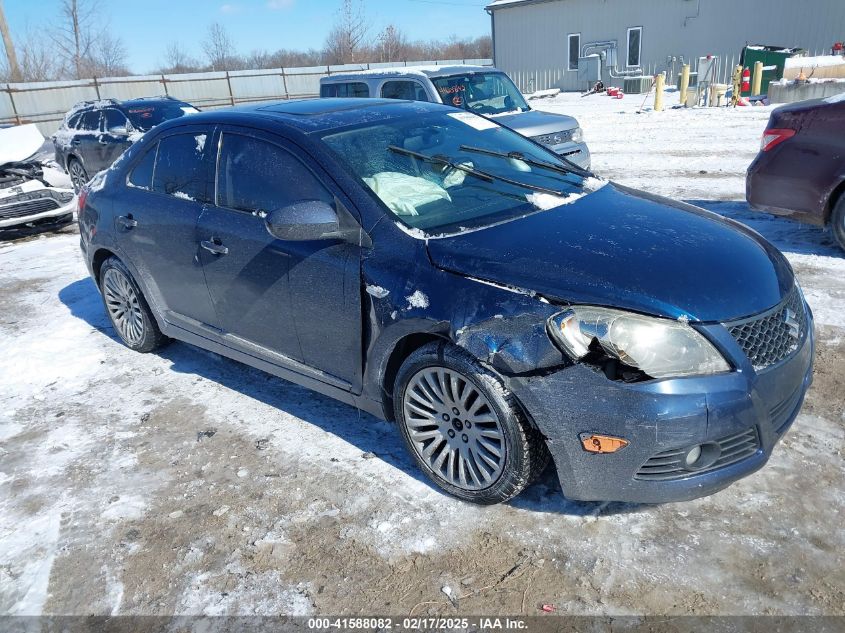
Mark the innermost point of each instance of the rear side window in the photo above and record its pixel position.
(180, 170)
(142, 175)
(90, 121)
(256, 176)
(73, 121)
(352, 89)
(409, 90)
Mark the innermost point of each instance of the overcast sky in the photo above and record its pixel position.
(147, 26)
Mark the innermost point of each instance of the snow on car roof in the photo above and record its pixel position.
(410, 71)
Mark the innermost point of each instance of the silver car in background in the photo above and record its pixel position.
(481, 90)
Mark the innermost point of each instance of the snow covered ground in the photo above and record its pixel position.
(180, 482)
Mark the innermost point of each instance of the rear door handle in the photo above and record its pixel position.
(213, 247)
(127, 221)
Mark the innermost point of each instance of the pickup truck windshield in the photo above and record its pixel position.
(482, 93)
(428, 171)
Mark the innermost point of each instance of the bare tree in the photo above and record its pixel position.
(177, 60)
(391, 44)
(11, 55)
(74, 37)
(38, 59)
(348, 33)
(108, 56)
(218, 48)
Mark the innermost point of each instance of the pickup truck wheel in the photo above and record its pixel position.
(463, 427)
(837, 221)
(128, 311)
(78, 175)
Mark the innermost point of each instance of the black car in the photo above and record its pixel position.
(95, 133)
(435, 268)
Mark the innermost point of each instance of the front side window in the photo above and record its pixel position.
(403, 163)
(115, 122)
(356, 89)
(634, 45)
(142, 174)
(257, 177)
(574, 50)
(408, 90)
(90, 121)
(481, 93)
(180, 168)
(73, 121)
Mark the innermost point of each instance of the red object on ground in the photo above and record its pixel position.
(549, 608)
(619, 94)
(746, 80)
(612, 92)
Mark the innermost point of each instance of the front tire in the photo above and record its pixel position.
(463, 427)
(837, 221)
(128, 311)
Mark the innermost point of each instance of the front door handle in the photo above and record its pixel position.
(127, 221)
(214, 247)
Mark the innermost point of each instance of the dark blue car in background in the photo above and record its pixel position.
(434, 268)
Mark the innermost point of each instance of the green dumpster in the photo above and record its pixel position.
(773, 58)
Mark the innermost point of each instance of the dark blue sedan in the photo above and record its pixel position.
(432, 267)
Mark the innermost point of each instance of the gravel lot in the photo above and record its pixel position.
(180, 482)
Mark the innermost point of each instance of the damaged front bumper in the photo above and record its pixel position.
(740, 415)
(35, 205)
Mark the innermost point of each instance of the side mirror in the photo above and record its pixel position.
(304, 221)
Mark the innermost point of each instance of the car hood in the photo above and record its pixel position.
(19, 143)
(534, 122)
(624, 248)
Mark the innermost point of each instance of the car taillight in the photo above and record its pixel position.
(775, 136)
(80, 201)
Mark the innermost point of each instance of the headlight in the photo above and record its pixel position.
(658, 347)
(577, 135)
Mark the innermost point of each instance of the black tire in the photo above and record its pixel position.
(78, 174)
(524, 455)
(837, 221)
(147, 337)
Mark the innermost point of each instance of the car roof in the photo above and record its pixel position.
(430, 72)
(312, 115)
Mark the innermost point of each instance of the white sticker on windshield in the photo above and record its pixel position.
(473, 120)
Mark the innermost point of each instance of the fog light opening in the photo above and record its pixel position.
(702, 456)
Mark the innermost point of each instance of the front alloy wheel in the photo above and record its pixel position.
(453, 428)
(463, 427)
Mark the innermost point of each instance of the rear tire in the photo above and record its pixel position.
(128, 311)
(77, 173)
(463, 427)
(837, 221)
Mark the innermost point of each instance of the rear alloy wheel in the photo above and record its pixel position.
(837, 221)
(463, 427)
(78, 175)
(127, 309)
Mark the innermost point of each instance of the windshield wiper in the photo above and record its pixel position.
(574, 169)
(438, 159)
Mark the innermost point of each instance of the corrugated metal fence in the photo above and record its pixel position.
(45, 103)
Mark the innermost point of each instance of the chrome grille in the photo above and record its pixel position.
(28, 207)
(555, 138)
(669, 465)
(770, 338)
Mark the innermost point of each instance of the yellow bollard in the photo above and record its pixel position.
(757, 78)
(684, 83)
(659, 83)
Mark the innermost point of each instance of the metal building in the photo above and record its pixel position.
(538, 42)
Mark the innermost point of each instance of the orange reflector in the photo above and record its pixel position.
(594, 443)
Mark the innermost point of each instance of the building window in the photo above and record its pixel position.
(635, 45)
(574, 50)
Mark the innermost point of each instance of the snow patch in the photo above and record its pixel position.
(417, 300)
(377, 291)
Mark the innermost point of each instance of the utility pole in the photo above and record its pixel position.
(14, 69)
